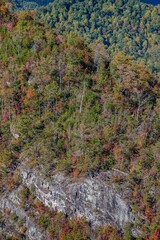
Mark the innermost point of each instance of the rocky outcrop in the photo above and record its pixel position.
(93, 197)
(14, 132)
(12, 204)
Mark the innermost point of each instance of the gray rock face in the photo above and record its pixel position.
(14, 132)
(93, 198)
(11, 203)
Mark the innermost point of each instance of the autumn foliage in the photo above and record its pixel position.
(70, 107)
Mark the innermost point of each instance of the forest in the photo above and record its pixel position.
(127, 25)
(30, 4)
(81, 108)
(130, 26)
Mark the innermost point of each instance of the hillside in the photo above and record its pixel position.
(74, 123)
(127, 25)
(130, 26)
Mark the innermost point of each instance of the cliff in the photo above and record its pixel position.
(94, 198)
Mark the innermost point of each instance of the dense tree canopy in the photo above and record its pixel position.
(30, 4)
(66, 106)
(127, 25)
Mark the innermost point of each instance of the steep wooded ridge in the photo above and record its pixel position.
(79, 133)
(127, 25)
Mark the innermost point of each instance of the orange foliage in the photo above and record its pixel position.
(118, 152)
(155, 236)
(30, 94)
(62, 236)
(63, 233)
(10, 25)
(6, 212)
(26, 14)
(10, 183)
(39, 207)
(141, 138)
(5, 117)
(74, 160)
(58, 108)
(135, 192)
(109, 233)
(148, 212)
(3, 8)
(86, 57)
(76, 173)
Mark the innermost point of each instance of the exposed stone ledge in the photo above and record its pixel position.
(93, 197)
(11, 202)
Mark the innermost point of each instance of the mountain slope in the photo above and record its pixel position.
(66, 108)
(125, 25)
